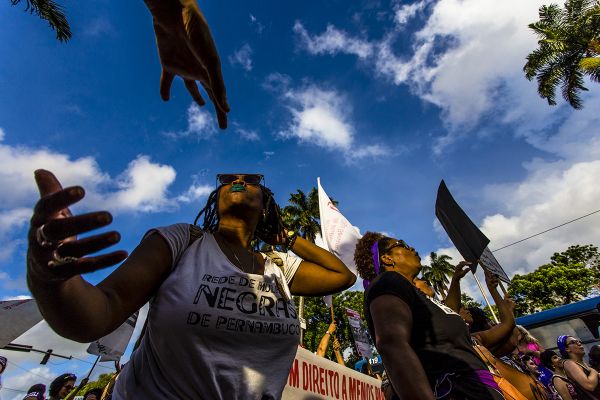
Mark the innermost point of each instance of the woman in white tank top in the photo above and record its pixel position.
(221, 323)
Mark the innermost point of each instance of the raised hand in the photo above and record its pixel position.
(492, 281)
(187, 49)
(460, 271)
(55, 254)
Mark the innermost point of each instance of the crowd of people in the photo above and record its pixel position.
(222, 323)
(438, 349)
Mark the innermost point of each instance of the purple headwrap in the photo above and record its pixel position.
(3, 361)
(561, 342)
(375, 254)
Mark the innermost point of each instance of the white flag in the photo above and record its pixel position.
(112, 346)
(338, 234)
(17, 317)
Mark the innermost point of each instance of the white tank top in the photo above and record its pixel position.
(214, 331)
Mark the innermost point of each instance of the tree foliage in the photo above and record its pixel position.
(571, 275)
(100, 383)
(437, 272)
(302, 213)
(318, 318)
(568, 50)
(52, 12)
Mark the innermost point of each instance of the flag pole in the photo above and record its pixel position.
(95, 362)
(504, 292)
(485, 297)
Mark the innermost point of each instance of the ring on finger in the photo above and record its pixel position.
(42, 239)
(58, 260)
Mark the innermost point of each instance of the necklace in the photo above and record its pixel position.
(240, 265)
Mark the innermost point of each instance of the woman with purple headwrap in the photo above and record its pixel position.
(583, 377)
(425, 346)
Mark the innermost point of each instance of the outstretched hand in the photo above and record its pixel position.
(54, 253)
(492, 280)
(187, 49)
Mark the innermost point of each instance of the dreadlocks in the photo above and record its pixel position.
(270, 222)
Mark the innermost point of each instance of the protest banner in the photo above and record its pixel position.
(112, 346)
(17, 316)
(464, 234)
(490, 264)
(361, 339)
(312, 377)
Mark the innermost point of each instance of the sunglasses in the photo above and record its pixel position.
(249, 179)
(577, 341)
(397, 243)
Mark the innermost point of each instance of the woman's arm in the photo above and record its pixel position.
(337, 350)
(393, 323)
(322, 349)
(561, 387)
(74, 308)
(576, 373)
(320, 272)
(501, 332)
(453, 298)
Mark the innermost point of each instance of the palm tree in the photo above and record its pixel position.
(437, 272)
(302, 214)
(51, 12)
(569, 49)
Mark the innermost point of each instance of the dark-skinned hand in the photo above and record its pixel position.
(460, 271)
(61, 229)
(186, 49)
(491, 280)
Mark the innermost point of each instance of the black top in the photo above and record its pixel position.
(439, 336)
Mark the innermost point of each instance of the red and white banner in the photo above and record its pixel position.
(313, 377)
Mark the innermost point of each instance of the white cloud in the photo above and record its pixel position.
(320, 117)
(256, 24)
(12, 284)
(403, 14)
(143, 187)
(332, 41)
(200, 124)
(242, 57)
(246, 134)
(195, 192)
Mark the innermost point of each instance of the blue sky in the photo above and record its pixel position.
(381, 99)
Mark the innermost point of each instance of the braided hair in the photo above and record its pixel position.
(271, 220)
(362, 253)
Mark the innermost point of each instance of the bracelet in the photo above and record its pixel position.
(290, 239)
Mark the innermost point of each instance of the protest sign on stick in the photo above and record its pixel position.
(361, 339)
(112, 346)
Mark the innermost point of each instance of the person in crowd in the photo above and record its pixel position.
(530, 365)
(36, 392)
(496, 338)
(62, 386)
(528, 344)
(583, 377)
(93, 394)
(218, 306)
(424, 287)
(324, 343)
(425, 345)
(559, 384)
(594, 357)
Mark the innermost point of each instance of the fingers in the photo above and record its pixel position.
(60, 229)
(192, 87)
(89, 245)
(46, 182)
(51, 204)
(88, 264)
(166, 79)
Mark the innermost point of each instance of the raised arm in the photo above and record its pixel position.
(393, 323)
(74, 308)
(324, 343)
(320, 272)
(495, 337)
(453, 298)
(187, 49)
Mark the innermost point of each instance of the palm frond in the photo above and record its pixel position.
(52, 12)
